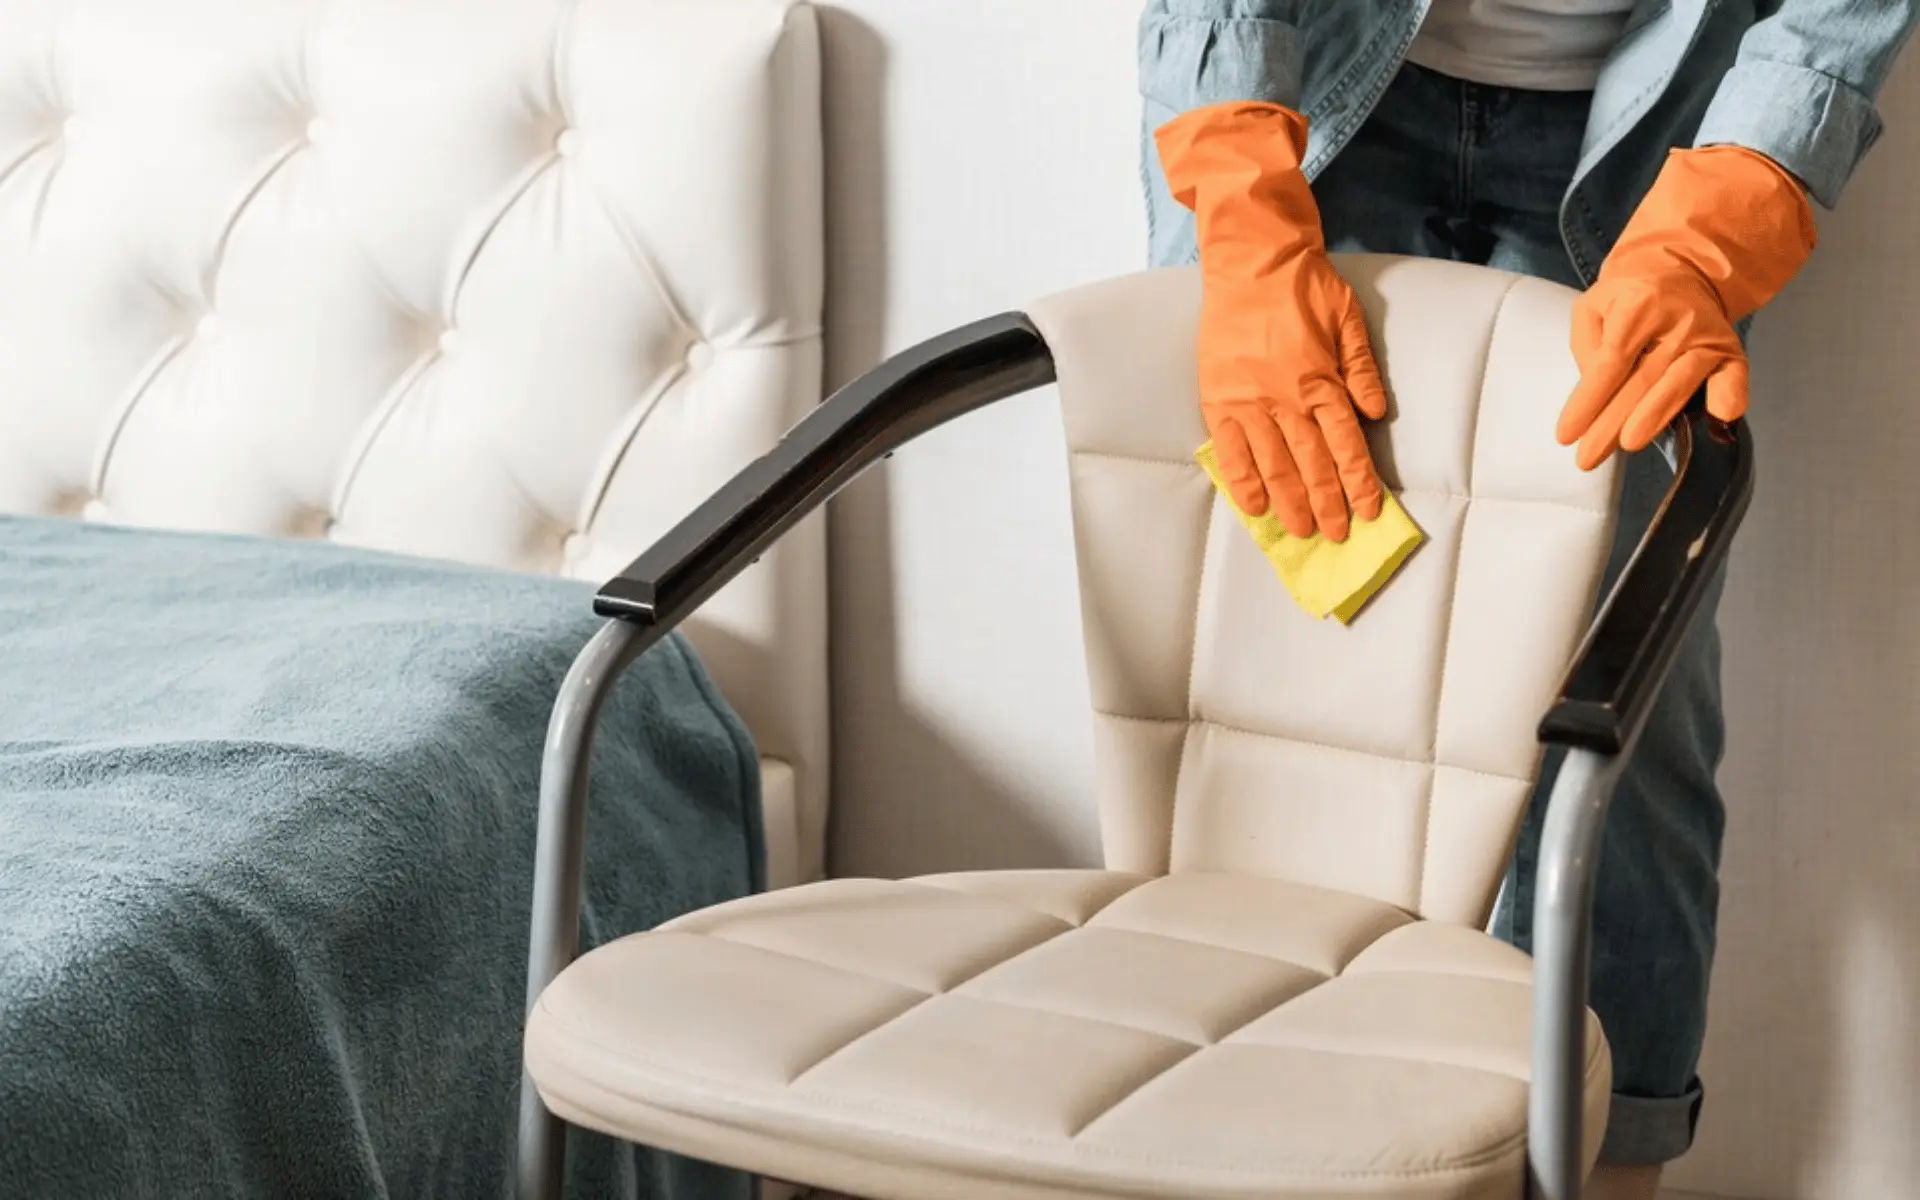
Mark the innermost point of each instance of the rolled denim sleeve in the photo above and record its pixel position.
(1802, 90)
(1199, 52)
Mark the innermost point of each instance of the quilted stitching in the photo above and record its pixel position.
(1447, 671)
(1080, 1051)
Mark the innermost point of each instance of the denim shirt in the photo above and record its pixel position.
(1793, 79)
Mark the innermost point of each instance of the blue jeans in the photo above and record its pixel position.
(1448, 169)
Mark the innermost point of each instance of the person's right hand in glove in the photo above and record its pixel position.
(1284, 356)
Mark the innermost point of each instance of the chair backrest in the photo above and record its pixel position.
(1234, 733)
(515, 282)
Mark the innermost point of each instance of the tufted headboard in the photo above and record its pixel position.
(515, 282)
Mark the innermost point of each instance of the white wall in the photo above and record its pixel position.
(1813, 1059)
(984, 153)
(989, 145)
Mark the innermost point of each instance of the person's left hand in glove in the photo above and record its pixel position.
(1718, 235)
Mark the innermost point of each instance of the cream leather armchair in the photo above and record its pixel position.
(1279, 985)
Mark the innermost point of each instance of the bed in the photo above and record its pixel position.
(343, 347)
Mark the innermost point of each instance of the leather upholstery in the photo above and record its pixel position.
(1053, 1034)
(516, 282)
(1232, 734)
(1248, 1002)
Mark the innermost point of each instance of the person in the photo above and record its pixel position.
(1658, 155)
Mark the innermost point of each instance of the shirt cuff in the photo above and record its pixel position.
(1812, 124)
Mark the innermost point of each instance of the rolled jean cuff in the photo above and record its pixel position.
(1650, 1130)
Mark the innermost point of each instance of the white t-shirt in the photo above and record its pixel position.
(1546, 45)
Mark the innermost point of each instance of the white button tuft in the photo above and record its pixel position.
(316, 130)
(94, 510)
(449, 341)
(574, 548)
(567, 143)
(699, 356)
(206, 326)
(71, 127)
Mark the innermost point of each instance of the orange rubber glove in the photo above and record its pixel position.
(1718, 235)
(1284, 356)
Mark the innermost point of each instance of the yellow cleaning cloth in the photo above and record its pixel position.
(1328, 577)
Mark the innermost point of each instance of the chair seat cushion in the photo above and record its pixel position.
(1061, 1033)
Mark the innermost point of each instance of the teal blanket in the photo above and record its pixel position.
(266, 839)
